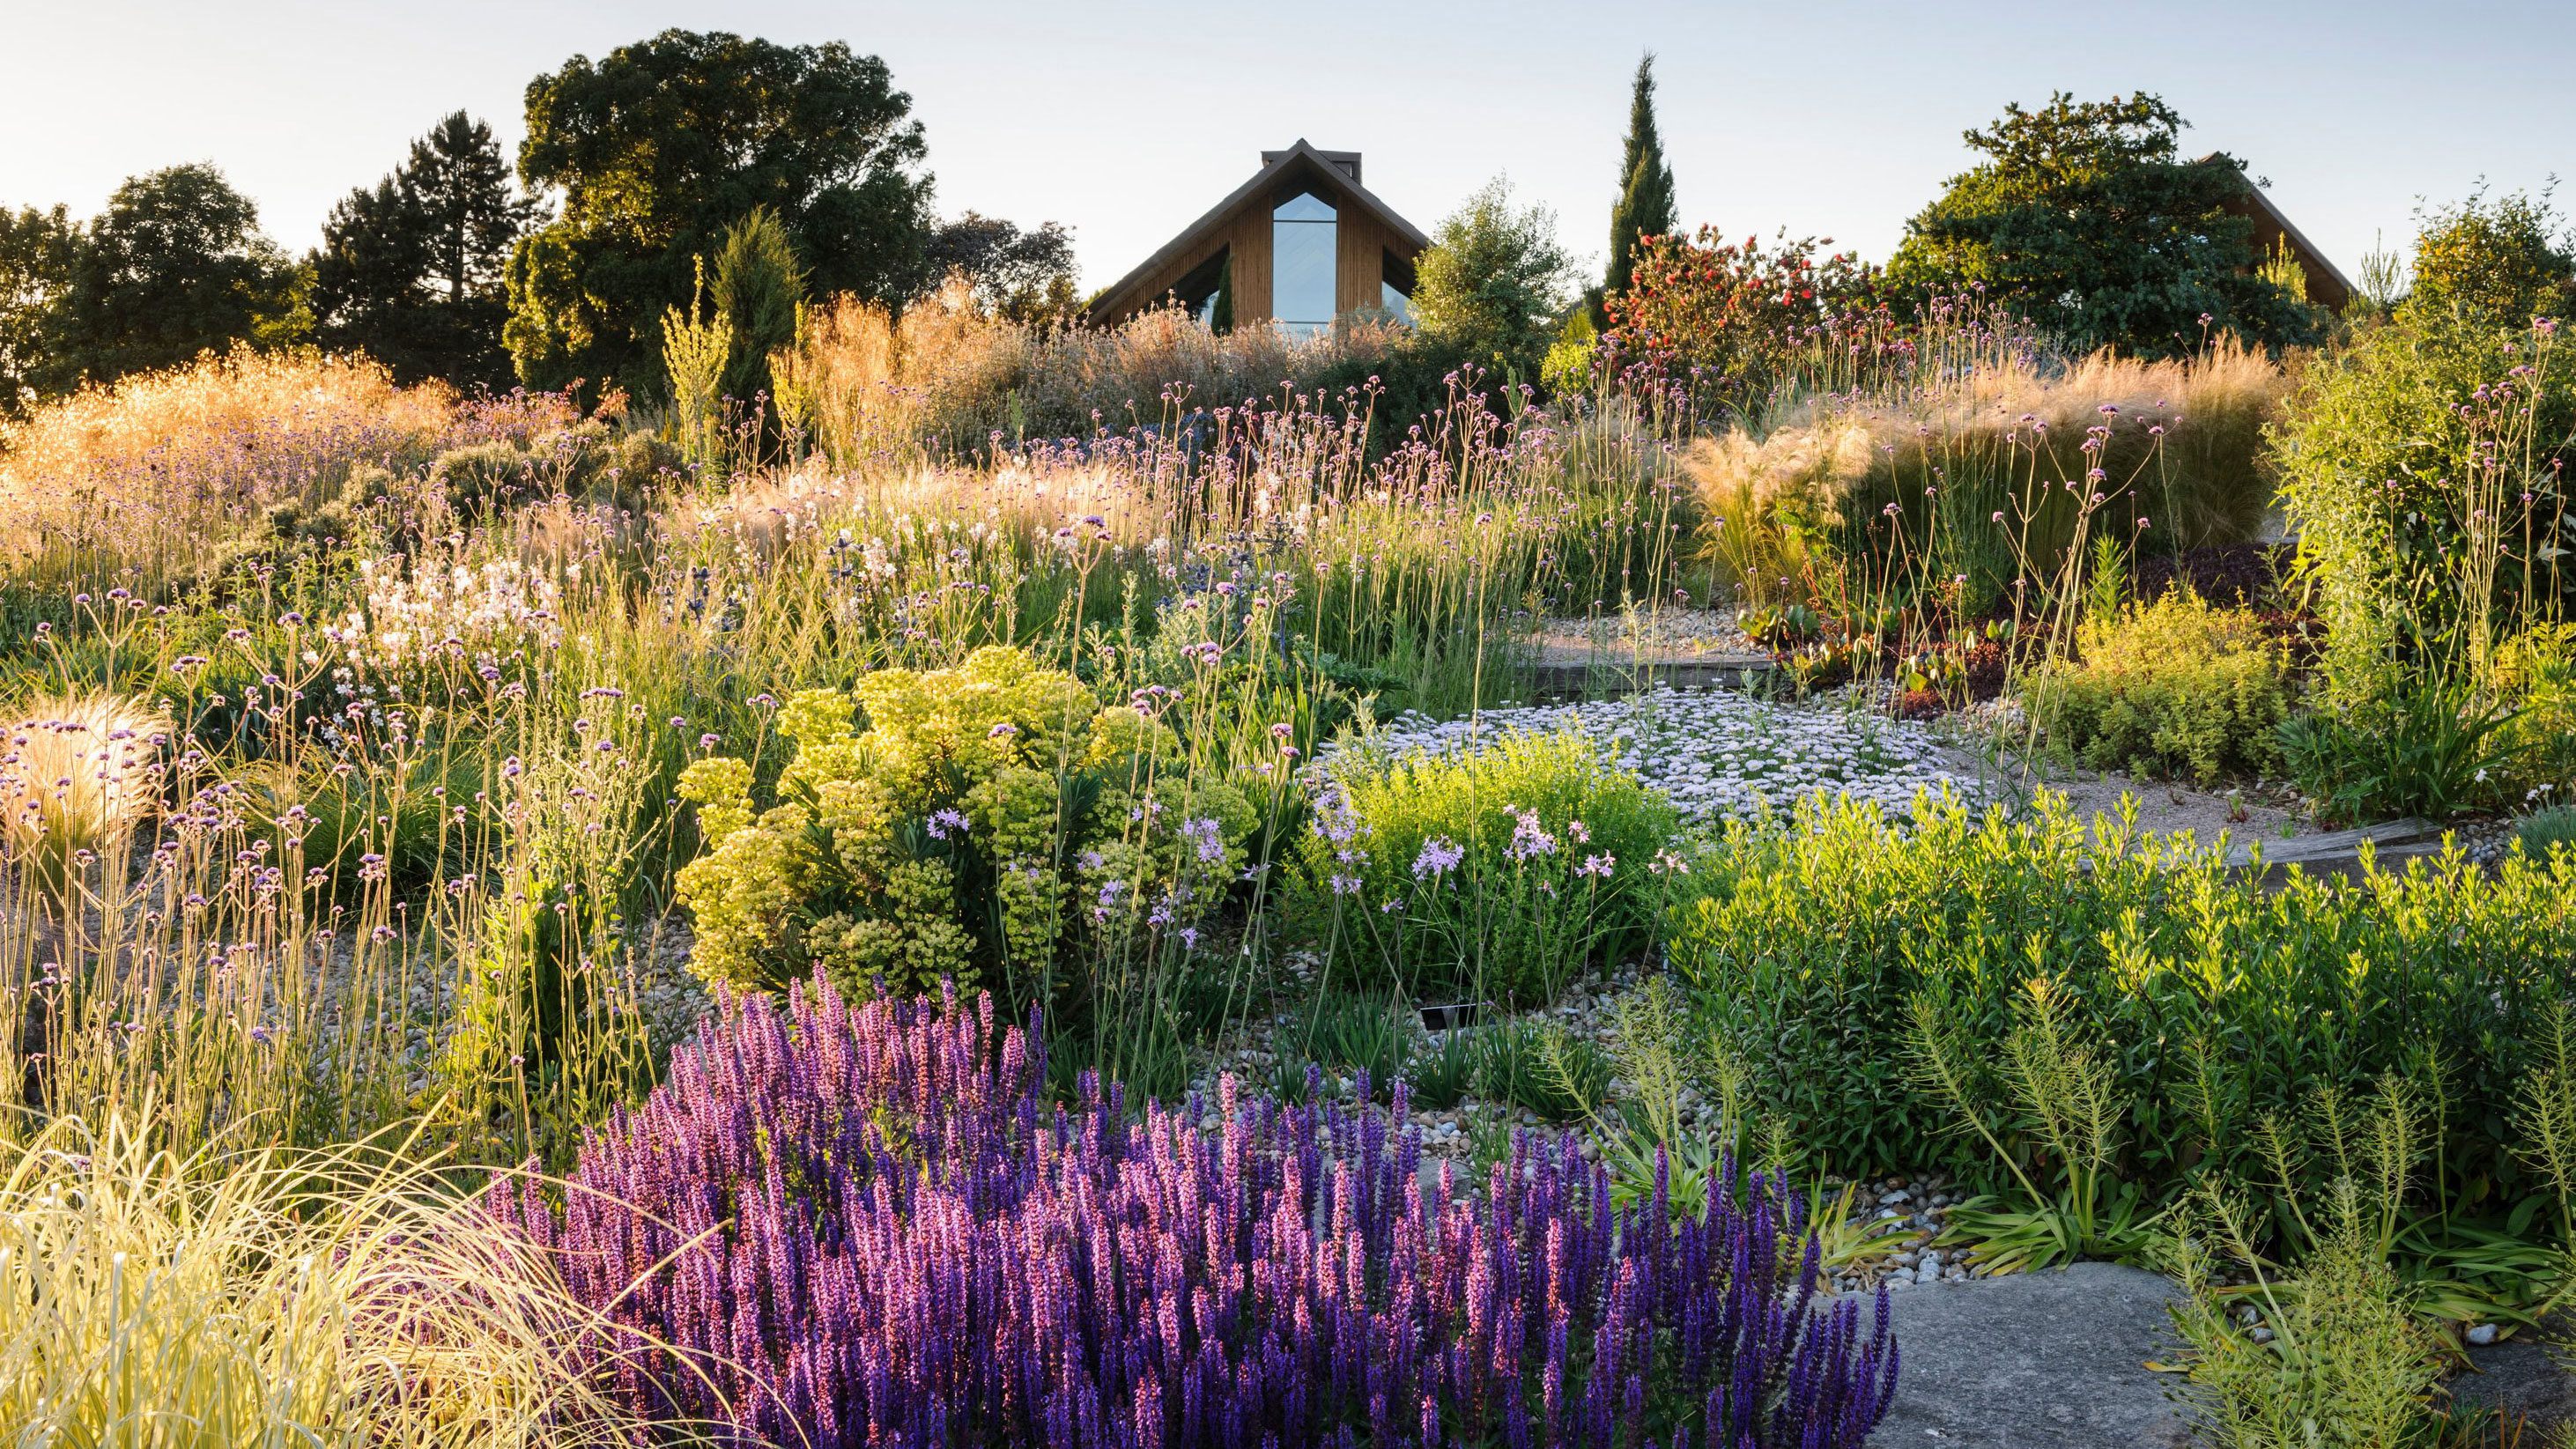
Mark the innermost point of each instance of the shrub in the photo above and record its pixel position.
(2171, 688)
(1491, 280)
(1736, 316)
(2423, 472)
(2543, 831)
(983, 814)
(2424, 746)
(1506, 870)
(863, 1223)
(2210, 1001)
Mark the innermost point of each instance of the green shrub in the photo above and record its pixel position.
(2171, 688)
(985, 816)
(2210, 1002)
(1502, 872)
(2423, 469)
(2542, 831)
(2421, 747)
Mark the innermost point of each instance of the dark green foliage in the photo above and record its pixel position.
(1512, 1068)
(586, 462)
(412, 270)
(1443, 1076)
(175, 266)
(1406, 385)
(1645, 206)
(1022, 276)
(2499, 264)
(661, 146)
(36, 250)
(2085, 219)
(2422, 748)
(2212, 1000)
(1350, 1033)
(758, 284)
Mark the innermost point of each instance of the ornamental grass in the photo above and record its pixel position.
(861, 1224)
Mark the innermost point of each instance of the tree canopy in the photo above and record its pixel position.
(36, 249)
(1493, 281)
(412, 270)
(2084, 217)
(175, 266)
(2499, 262)
(658, 148)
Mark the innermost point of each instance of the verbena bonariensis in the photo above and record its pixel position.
(857, 1225)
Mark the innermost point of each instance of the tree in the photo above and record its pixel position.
(1645, 206)
(2084, 218)
(661, 146)
(412, 271)
(36, 250)
(1026, 276)
(2496, 264)
(1735, 317)
(1493, 281)
(758, 287)
(175, 266)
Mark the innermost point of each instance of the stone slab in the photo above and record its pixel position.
(2052, 1360)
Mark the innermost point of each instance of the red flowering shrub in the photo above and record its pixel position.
(1735, 316)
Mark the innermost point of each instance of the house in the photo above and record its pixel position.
(2327, 287)
(1302, 244)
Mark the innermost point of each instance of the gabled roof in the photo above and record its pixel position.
(2307, 249)
(1322, 170)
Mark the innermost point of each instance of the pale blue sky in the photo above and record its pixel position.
(1125, 120)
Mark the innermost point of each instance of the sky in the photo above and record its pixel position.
(1126, 120)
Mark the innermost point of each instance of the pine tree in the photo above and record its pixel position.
(1645, 205)
(412, 270)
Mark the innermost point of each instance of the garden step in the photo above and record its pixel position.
(2053, 1360)
(2339, 851)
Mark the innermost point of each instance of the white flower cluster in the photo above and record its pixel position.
(1714, 753)
(414, 614)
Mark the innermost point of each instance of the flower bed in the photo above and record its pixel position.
(861, 1226)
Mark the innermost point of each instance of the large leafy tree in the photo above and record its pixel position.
(412, 270)
(175, 266)
(36, 250)
(1493, 281)
(1026, 276)
(1645, 206)
(661, 146)
(2085, 218)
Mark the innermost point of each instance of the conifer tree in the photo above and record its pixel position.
(1645, 205)
(412, 270)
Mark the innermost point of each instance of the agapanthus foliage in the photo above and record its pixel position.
(860, 1225)
(983, 814)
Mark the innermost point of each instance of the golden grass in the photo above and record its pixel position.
(76, 774)
(947, 371)
(2185, 436)
(313, 1300)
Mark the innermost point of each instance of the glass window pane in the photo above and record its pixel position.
(1396, 302)
(1301, 275)
(1306, 206)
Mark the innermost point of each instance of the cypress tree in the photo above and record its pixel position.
(1645, 205)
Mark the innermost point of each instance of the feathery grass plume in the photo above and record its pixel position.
(1994, 429)
(135, 483)
(78, 774)
(323, 1300)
